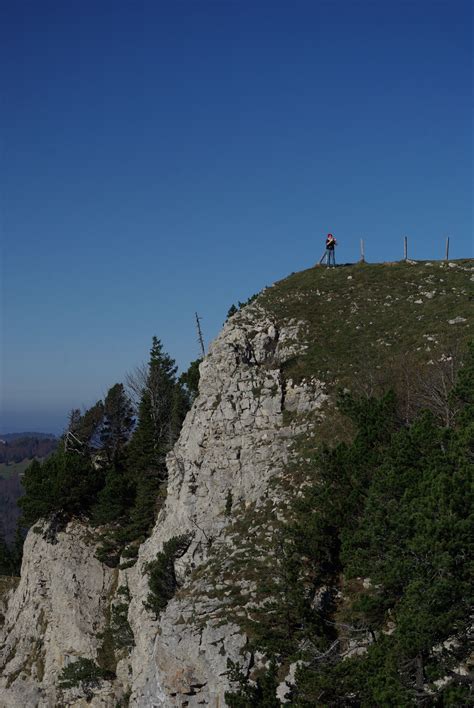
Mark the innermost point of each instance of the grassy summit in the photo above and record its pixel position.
(362, 318)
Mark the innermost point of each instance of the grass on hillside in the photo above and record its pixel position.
(363, 317)
(14, 469)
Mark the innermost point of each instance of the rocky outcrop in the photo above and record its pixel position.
(55, 616)
(233, 442)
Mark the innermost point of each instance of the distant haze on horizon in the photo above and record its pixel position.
(166, 158)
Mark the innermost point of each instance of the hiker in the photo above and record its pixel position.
(331, 243)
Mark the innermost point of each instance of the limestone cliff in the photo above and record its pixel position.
(233, 442)
(55, 615)
(236, 441)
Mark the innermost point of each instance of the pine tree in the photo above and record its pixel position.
(179, 407)
(463, 391)
(189, 379)
(16, 550)
(6, 560)
(410, 533)
(36, 501)
(117, 494)
(161, 387)
(85, 428)
(148, 470)
(261, 692)
(393, 507)
(419, 511)
(65, 481)
(118, 423)
(115, 497)
(161, 412)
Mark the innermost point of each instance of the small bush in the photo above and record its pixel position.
(261, 692)
(108, 552)
(234, 309)
(228, 503)
(121, 631)
(161, 574)
(84, 673)
(130, 552)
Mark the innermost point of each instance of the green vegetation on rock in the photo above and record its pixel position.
(109, 467)
(361, 322)
(84, 673)
(261, 692)
(121, 631)
(378, 596)
(240, 305)
(162, 579)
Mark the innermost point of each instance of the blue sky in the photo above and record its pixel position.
(160, 158)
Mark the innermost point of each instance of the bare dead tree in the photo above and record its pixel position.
(434, 384)
(148, 380)
(136, 382)
(418, 385)
(428, 385)
(199, 333)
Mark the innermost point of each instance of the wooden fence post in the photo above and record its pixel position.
(447, 248)
(362, 255)
(405, 248)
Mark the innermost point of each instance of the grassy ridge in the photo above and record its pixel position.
(14, 469)
(362, 317)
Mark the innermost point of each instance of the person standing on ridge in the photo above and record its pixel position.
(329, 254)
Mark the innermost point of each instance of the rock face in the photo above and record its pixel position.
(55, 615)
(233, 442)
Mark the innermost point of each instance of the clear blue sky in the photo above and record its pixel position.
(159, 158)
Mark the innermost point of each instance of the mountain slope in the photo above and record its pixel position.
(267, 394)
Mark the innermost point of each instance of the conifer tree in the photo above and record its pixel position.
(409, 533)
(16, 550)
(86, 428)
(36, 501)
(463, 391)
(189, 379)
(161, 386)
(393, 507)
(118, 423)
(6, 560)
(65, 481)
(162, 408)
(116, 496)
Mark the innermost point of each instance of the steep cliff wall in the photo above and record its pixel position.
(233, 442)
(319, 329)
(55, 616)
